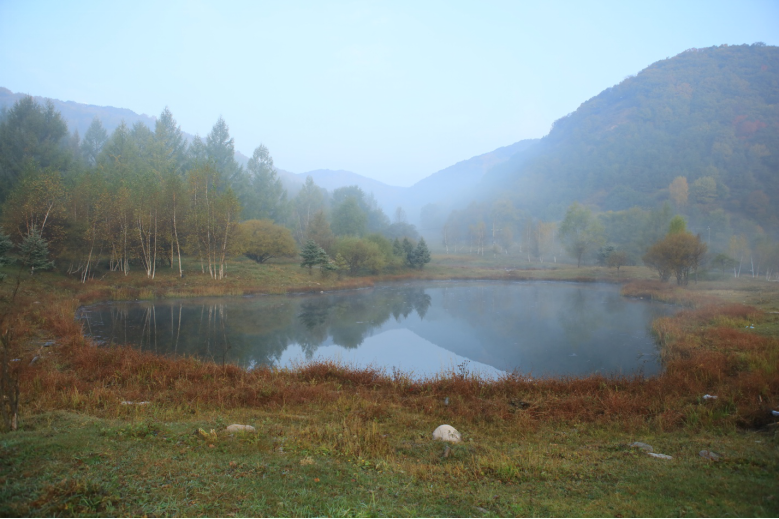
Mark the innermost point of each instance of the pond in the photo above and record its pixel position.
(539, 329)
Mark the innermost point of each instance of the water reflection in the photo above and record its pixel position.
(539, 328)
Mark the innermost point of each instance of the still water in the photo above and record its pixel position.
(539, 329)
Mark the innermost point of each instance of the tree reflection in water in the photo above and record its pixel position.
(540, 327)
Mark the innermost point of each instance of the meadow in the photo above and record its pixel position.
(116, 431)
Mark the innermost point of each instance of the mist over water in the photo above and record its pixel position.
(534, 328)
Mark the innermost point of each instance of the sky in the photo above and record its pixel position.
(392, 90)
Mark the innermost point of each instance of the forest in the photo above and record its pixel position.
(139, 198)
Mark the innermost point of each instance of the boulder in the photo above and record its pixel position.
(446, 433)
(660, 456)
(238, 428)
(709, 455)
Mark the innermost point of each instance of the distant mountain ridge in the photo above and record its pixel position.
(447, 187)
(79, 116)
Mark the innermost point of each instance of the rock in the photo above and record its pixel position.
(660, 456)
(709, 455)
(709, 397)
(446, 433)
(238, 428)
(643, 446)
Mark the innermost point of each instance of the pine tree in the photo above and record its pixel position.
(35, 251)
(323, 260)
(408, 251)
(421, 255)
(310, 255)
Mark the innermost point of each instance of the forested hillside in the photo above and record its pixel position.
(708, 115)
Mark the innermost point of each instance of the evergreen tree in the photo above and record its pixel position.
(408, 251)
(35, 251)
(421, 255)
(266, 197)
(323, 260)
(310, 255)
(93, 142)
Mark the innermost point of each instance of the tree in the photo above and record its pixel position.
(677, 225)
(580, 232)
(31, 133)
(310, 255)
(340, 264)
(678, 254)
(309, 201)
(266, 197)
(212, 219)
(93, 142)
(704, 190)
(678, 191)
(617, 259)
(360, 254)
(319, 231)
(408, 249)
(420, 256)
(170, 141)
(34, 251)
(349, 219)
(261, 240)
(220, 151)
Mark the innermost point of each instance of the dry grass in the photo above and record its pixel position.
(706, 350)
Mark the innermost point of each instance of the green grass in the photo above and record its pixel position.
(69, 464)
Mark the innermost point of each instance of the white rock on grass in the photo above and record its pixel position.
(661, 456)
(238, 428)
(446, 433)
(710, 455)
(643, 446)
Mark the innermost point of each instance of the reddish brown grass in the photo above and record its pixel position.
(705, 351)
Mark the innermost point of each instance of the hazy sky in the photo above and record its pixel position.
(391, 90)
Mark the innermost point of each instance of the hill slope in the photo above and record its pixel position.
(710, 115)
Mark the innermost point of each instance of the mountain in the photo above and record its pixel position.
(710, 115)
(79, 116)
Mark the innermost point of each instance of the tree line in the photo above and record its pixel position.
(142, 198)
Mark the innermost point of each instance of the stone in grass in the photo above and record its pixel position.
(643, 446)
(660, 456)
(238, 428)
(446, 433)
(709, 455)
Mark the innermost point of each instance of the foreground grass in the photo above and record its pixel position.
(65, 463)
(332, 441)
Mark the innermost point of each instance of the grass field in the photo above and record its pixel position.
(333, 441)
